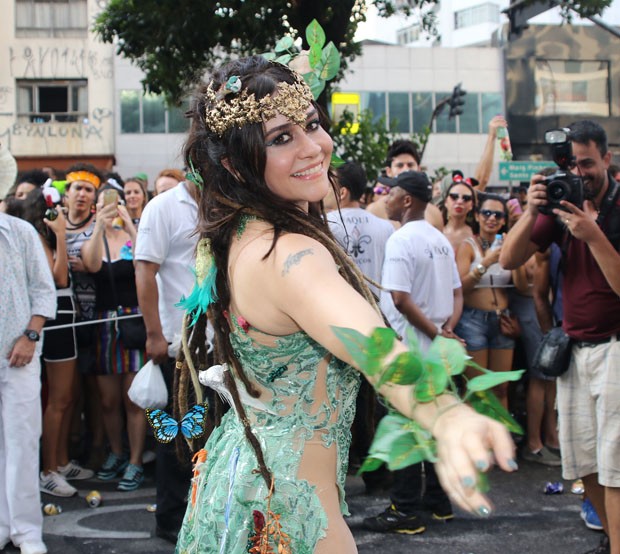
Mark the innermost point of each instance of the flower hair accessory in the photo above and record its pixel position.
(225, 111)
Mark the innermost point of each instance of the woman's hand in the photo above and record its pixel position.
(468, 443)
(58, 225)
(491, 257)
(129, 227)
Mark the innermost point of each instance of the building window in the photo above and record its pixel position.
(51, 18)
(491, 104)
(469, 120)
(149, 113)
(482, 13)
(572, 87)
(375, 102)
(422, 103)
(398, 111)
(45, 101)
(408, 34)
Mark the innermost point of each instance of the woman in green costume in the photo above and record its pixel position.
(272, 476)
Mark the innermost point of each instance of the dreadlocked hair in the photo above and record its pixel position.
(232, 166)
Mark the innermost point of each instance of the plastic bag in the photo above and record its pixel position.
(148, 389)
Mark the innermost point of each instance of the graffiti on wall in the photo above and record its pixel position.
(54, 62)
(51, 131)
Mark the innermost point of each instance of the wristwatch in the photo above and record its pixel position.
(481, 269)
(32, 335)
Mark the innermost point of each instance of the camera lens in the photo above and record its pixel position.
(557, 190)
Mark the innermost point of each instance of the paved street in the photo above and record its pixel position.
(525, 520)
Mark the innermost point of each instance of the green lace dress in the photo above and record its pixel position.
(303, 426)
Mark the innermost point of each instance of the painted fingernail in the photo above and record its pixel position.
(483, 511)
(512, 465)
(469, 482)
(482, 465)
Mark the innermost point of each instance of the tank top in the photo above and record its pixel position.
(501, 277)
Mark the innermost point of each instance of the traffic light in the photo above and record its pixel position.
(457, 101)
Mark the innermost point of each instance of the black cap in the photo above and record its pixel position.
(415, 183)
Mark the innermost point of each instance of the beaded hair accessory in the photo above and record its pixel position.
(84, 176)
(223, 112)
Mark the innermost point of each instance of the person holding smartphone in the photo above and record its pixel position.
(108, 255)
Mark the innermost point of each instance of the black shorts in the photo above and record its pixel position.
(60, 345)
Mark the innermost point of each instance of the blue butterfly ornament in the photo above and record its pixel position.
(166, 428)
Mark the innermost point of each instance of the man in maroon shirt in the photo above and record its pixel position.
(589, 392)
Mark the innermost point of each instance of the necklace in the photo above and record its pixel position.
(486, 244)
(79, 224)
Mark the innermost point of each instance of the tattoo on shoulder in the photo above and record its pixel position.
(295, 259)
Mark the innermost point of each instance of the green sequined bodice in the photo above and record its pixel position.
(306, 396)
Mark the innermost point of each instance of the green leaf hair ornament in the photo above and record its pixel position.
(193, 176)
(204, 292)
(399, 441)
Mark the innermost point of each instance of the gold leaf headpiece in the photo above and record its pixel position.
(225, 110)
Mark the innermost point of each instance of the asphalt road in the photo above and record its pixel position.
(525, 520)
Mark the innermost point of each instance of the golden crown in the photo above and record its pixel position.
(223, 111)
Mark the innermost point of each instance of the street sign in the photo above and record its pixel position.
(521, 171)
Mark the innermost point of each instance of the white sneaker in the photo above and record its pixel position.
(54, 484)
(75, 472)
(33, 547)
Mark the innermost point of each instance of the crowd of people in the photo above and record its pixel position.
(87, 251)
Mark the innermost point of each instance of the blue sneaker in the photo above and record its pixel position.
(112, 467)
(589, 516)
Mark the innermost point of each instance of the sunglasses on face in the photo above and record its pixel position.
(381, 190)
(488, 213)
(464, 197)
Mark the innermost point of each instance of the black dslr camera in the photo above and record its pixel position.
(562, 185)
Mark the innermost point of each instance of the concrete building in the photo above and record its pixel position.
(56, 85)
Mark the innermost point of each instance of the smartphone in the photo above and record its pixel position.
(110, 196)
(514, 202)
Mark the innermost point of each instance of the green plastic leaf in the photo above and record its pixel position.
(314, 55)
(284, 59)
(354, 342)
(412, 342)
(486, 403)
(490, 380)
(336, 161)
(391, 427)
(405, 453)
(406, 369)
(329, 64)
(284, 44)
(433, 381)
(315, 84)
(371, 464)
(449, 352)
(380, 344)
(315, 34)
(269, 56)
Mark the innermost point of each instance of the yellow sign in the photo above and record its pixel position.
(349, 101)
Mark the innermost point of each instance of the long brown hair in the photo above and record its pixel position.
(240, 189)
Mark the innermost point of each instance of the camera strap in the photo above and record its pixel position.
(609, 214)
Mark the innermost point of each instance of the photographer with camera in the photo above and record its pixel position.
(588, 234)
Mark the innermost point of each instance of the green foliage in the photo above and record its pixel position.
(399, 441)
(368, 146)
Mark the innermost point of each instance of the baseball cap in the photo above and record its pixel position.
(415, 183)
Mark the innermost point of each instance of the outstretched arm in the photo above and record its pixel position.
(301, 279)
(485, 167)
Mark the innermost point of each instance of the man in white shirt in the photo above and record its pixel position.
(164, 253)
(28, 299)
(422, 293)
(362, 234)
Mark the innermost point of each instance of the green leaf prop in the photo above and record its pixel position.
(315, 36)
(490, 380)
(451, 353)
(314, 56)
(329, 63)
(486, 403)
(399, 441)
(336, 161)
(284, 44)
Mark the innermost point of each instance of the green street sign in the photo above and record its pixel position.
(521, 171)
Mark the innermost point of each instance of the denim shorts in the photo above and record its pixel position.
(480, 330)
